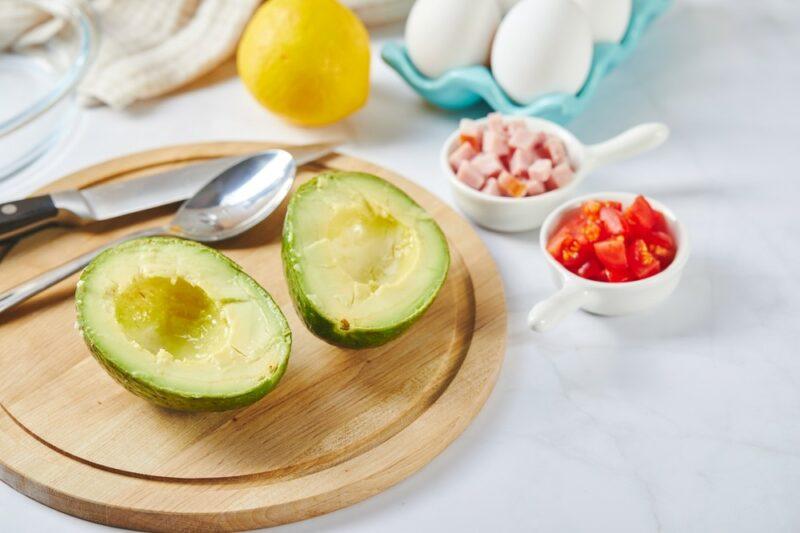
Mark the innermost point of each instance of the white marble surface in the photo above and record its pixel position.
(683, 419)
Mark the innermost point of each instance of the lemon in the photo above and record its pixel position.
(306, 60)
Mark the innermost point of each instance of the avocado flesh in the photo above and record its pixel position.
(181, 325)
(363, 261)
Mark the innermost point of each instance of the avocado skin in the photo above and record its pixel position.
(321, 326)
(157, 394)
(177, 401)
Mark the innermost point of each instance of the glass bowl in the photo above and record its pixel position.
(39, 76)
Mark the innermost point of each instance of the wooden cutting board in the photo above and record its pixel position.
(342, 425)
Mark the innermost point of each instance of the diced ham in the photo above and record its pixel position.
(540, 170)
(555, 150)
(492, 188)
(511, 186)
(516, 125)
(535, 187)
(495, 123)
(470, 175)
(471, 132)
(508, 158)
(496, 142)
(520, 161)
(465, 152)
(488, 165)
(525, 139)
(562, 174)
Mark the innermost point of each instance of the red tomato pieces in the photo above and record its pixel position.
(641, 214)
(613, 221)
(591, 269)
(615, 276)
(643, 263)
(574, 252)
(604, 242)
(662, 245)
(612, 254)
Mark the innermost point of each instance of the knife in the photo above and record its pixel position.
(112, 200)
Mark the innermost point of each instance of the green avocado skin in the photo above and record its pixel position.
(179, 402)
(323, 327)
(170, 399)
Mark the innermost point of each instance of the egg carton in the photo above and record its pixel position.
(464, 87)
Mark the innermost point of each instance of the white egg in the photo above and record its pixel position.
(445, 34)
(609, 18)
(542, 46)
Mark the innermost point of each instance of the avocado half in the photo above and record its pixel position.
(181, 325)
(363, 261)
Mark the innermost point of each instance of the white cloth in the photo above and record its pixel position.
(147, 47)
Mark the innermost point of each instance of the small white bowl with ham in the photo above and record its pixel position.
(509, 173)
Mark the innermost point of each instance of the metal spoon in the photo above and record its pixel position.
(230, 204)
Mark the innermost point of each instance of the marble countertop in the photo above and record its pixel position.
(685, 418)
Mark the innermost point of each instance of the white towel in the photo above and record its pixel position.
(147, 47)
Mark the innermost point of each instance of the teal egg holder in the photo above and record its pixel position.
(465, 87)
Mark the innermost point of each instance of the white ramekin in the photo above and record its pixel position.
(600, 297)
(521, 214)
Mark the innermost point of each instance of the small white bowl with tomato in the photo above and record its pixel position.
(610, 253)
(490, 155)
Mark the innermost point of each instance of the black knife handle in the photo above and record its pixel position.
(20, 216)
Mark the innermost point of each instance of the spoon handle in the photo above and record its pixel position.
(34, 286)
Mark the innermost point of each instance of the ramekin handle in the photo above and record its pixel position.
(627, 144)
(551, 311)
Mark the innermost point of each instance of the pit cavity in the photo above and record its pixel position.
(371, 246)
(171, 314)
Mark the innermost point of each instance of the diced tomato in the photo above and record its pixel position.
(643, 263)
(662, 246)
(616, 276)
(612, 220)
(641, 214)
(591, 231)
(591, 269)
(591, 209)
(568, 245)
(663, 238)
(557, 241)
(573, 222)
(661, 222)
(574, 252)
(611, 253)
(602, 242)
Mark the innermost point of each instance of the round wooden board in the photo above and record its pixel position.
(342, 425)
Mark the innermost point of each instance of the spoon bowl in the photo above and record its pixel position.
(236, 200)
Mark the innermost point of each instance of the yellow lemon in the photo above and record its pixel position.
(306, 60)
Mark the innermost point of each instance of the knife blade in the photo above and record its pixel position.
(112, 200)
